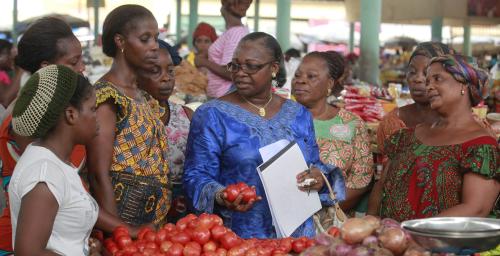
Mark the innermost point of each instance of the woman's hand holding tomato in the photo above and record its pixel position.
(238, 197)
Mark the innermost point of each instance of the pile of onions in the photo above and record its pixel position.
(365, 237)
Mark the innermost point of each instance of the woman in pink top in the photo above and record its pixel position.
(221, 51)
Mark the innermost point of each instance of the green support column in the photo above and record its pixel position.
(437, 29)
(467, 47)
(256, 15)
(283, 23)
(178, 20)
(351, 36)
(96, 21)
(371, 12)
(193, 20)
(14, 22)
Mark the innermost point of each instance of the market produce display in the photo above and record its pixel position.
(195, 236)
(361, 100)
(189, 80)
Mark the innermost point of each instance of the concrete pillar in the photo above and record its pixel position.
(96, 21)
(283, 23)
(371, 12)
(14, 22)
(193, 20)
(178, 21)
(466, 46)
(437, 29)
(351, 37)
(256, 15)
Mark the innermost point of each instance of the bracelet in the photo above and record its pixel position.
(218, 198)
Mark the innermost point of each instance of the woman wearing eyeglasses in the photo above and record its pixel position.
(226, 134)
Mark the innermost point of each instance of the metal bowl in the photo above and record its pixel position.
(459, 235)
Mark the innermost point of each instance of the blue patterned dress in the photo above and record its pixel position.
(223, 148)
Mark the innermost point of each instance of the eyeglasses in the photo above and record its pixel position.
(247, 68)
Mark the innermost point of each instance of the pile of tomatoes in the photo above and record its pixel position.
(231, 192)
(195, 236)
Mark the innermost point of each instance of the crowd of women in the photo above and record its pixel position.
(78, 157)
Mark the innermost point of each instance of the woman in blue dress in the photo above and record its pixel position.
(226, 134)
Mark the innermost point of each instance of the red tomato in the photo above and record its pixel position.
(165, 245)
(231, 192)
(161, 236)
(310, 243)
(142, 232)
(151, 245)
(181, 237)
(230, 240)
(109, 242)
(334, 231)
(221, 252)
(130, 249)
(218, 232)
(248, 194)
(169, 227)
(241, 186)
(209, 254)
(265, 250)
(120, 231)
(183, 222)
(206, 221)
(192, 249)
(236, 251)
(175, 250)
(298, 246)
(285, 244)
(150, 236)
(201, 235)
(210, 246)
(141, 245)
(123, 241)
(113, 249)
(149, 252)
(252, 252)
(217, 220)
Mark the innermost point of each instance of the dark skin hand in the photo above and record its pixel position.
(315, 174)
(36, 218)
(238, 204)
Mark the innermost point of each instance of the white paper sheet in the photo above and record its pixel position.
(289, 206)
(270, 150)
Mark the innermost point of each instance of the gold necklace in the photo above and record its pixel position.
(262, 110)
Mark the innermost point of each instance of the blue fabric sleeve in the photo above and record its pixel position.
(202, 164)
(332, 173)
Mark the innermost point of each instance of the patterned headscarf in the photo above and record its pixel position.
(465, 70)
(431, 50)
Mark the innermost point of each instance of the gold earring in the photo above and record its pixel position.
(329, 92)
(462, 92)
(273, 75)
(122, 50)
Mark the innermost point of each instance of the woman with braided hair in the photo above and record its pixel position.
(341, 135)
(448, 167)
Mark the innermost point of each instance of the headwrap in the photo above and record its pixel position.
(465, 70)
(176, 59)
(431, 50)
(204, 29)
(42, 100)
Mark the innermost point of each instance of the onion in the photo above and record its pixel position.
(382, 252)
(390, 223)
(370, 240)
(318, 250)
(324, 239)
(340, 250)
(355, 230)
(416, 252)
(393, 239)
(360, 251)
(374, 221)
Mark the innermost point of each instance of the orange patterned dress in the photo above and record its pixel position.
(343, 141)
